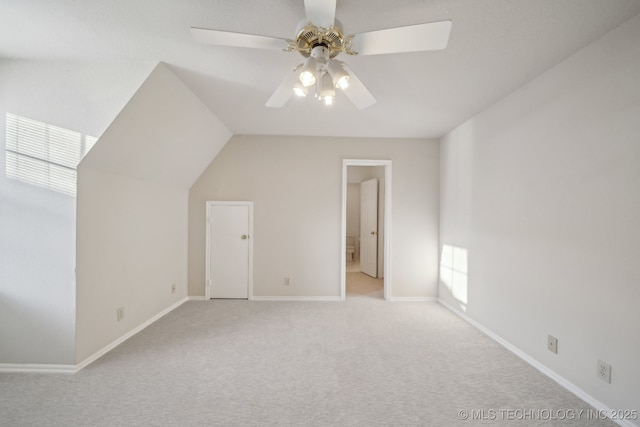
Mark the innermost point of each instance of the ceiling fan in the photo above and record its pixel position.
(319, 39)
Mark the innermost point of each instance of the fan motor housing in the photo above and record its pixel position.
(310, 36)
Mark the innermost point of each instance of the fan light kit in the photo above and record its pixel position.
(322, 72)
(320, 39)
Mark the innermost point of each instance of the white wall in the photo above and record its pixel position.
(132, 246)
(542, 189)
(37, 283)
(37, 226)
(295, 183)
(132, 223)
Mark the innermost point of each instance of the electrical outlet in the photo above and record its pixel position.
(120, 313)
(604, 371)
(173, 288)
(287, 282)
(552, 344)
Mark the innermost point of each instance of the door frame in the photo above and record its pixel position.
(210, 205)
(387, 222)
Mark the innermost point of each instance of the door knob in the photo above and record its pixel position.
(373, 233)
(244, 237)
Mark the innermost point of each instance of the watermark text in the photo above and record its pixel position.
(527, 414)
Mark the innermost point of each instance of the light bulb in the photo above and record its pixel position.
(307, 78)
(327, 92)
(338, 73)
(343, 82)
(300, 90)
(308, 74)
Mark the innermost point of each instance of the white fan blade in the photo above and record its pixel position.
(320, 12)
(284, 91)
(414, 38)
(357, 93)
(227, 38)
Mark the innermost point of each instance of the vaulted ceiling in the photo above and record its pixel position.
(495, 47)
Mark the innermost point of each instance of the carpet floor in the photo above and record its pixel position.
(362, 362)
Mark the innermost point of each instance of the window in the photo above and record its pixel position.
(44, 155)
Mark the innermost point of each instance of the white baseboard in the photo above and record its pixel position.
(277, 298)
(294, 298)
(38, 368)
(95, 356)
(599, 406)
(72, 369)
(410, 299)
(336, 298)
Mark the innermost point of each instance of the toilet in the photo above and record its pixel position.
(351, 247)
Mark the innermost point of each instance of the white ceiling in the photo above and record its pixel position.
(495, 47)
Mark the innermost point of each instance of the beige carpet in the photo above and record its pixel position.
(363, 362)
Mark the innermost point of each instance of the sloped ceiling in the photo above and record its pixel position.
(164, 134)
(495, 47)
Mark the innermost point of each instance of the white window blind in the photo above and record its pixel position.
(44, 155)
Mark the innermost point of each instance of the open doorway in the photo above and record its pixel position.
(366, 231)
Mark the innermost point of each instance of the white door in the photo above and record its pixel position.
(228, 254)
(369, 227)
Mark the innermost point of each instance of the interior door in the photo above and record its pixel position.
(229, 251)
(369, 227)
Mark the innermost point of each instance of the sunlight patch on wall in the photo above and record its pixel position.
(44, 155)
(453, 271)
